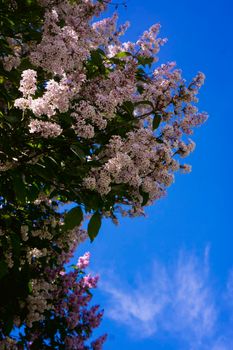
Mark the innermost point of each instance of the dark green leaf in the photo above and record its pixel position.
(101, 52)
(33, 192)
(53, 160)
(3, 269)
(94, 226)
(19, 187)
(145, 196)
(41, 170)
(78, 152)
(8, 326)
(15, 241)
(96, 58)
(73, 218)
(93, 201)
(140, 89)
(156, 121)
(144, 60)
(129, 107)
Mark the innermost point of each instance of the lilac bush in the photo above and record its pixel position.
(85, 119)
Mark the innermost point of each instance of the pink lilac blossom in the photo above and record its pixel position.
(149, 44)
(10, 62)
(83, 261)
(45, 129)
(143, 159)
(28, 82)
(65, 295)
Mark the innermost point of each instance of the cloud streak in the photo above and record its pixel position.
(179, 300)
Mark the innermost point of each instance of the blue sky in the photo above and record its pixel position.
(167, 280)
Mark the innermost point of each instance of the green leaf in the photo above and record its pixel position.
(144, 60)
(140, 89)
(30, 287)
(94, 226)
(145, 196)
(78, 152)
(141, 75)
(128, 106)
(53, 160)
(101, 52)
(12, 119)
(156, 121)
(33, 192)
(96, 58)
(15, 242)
(3, 269)
(42, 171)
(19, 187)
(93, 201)
(8, 326)
(73, 218)
(122, 54)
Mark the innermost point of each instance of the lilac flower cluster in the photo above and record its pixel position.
(66, 296)
(144, 159)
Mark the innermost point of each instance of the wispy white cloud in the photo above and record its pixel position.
(193, 304)
(178, 299)
(140, 307)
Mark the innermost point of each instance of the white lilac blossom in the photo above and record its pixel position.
(45, 129)
(28, 82)
(140, 161)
